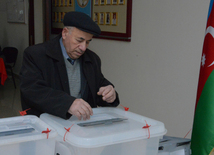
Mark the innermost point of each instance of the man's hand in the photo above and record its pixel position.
(108, 93)
(81, 109)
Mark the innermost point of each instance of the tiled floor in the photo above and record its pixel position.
(10, 103)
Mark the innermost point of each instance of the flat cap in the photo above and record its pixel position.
(81, 21)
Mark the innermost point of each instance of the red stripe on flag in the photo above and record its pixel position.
(206, 69)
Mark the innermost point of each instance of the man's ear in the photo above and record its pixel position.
(64, 32)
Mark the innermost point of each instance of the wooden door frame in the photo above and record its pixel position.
(31, 23)
(47, 16)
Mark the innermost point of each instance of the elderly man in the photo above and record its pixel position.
(62, 76)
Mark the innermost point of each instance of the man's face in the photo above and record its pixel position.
(75, 41)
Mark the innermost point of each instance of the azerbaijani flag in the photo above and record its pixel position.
(202, 141)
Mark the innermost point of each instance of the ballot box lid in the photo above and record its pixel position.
(107, 126)
(23, 129)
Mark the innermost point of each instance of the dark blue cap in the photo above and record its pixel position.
(81, 21)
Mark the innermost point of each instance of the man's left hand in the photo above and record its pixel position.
(108, 93)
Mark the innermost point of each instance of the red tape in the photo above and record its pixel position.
(187, 133)
(67, 130)
(147, 127)
(125, 108)
(47, 132)
(22, 113)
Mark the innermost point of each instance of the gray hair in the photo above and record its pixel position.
(70, 28)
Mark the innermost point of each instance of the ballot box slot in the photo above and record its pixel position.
(16, 132)
(182, 143)
(101, 122)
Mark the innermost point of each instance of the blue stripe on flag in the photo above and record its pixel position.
(210, 8)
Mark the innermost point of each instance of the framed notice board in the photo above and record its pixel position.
(16, 11)
(112, 16)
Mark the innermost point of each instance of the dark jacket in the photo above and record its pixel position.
(44, 83)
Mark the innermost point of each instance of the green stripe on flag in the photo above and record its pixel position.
(202, 141)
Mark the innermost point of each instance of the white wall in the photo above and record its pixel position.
(16, 34)
(12, 34)
(156, 74)
(39, 20)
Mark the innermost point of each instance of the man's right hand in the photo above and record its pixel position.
(81, 109)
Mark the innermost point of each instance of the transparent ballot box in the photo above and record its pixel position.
(110, 131)
(26, 135)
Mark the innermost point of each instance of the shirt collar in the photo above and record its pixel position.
(63, 49)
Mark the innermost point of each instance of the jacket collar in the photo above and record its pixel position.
(54, 47)
(54, 50)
